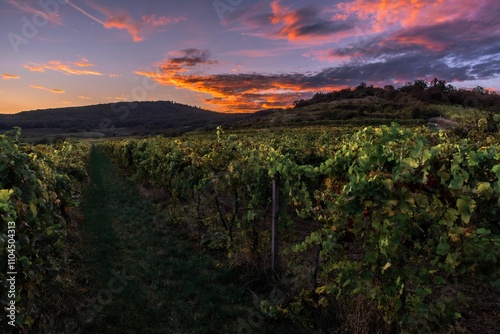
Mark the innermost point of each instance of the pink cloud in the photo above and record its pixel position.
(31, 7)
(137, 28)
(119, 19)
(383, 14)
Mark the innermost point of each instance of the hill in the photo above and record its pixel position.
(124, 118)
(415, 103)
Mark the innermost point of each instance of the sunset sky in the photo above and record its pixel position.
(237, 55)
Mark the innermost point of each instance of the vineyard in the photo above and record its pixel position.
(381, 229)
(402, 220)
(39, 186)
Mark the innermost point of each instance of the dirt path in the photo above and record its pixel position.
(146, 279)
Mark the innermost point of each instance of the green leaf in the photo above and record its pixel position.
(465, 206)
(426, 155)
(473, 158)
(450, 217)
(452, 260)
(443, 246)
(371, 256)
(411, 162)
(5, 194)
(484, 189)
(33, 209)
(482, 231)
(398, 304)
(439, 280)
(457, 182)
(389, 184)
(496, 170)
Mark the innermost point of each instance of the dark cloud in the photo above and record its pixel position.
(184, 60)
(455, 48)
(281, 22)
(193, 57)
(398, 68)
(307, 22)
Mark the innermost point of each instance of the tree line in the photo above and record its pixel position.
(436, 91)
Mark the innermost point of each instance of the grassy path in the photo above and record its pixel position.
(146, 279)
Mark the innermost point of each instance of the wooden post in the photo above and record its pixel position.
(274, 235)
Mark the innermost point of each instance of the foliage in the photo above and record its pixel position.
(417, 216)
(422, 95)
(405, 215)
(38, 188)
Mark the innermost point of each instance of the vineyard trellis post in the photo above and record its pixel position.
(274, 231)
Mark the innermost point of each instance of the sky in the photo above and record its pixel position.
(237, 55)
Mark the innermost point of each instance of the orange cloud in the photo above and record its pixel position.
(83, 63)
(9, 76)
(34, 68)
(55, 91)
(69, 68)
(238, 92)
(242, 92)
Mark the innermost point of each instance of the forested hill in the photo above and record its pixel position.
(418, 92)
(159, 115)
(413, 104)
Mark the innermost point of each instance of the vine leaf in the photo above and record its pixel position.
(465, 206)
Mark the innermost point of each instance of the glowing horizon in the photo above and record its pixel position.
(235, 56)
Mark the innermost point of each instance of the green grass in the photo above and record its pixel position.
(171, 287)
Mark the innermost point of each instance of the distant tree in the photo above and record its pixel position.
(440, 84)
(363, 90)
(361, 86)
(419, 85)
(480, 90)
(450, 88)
(301, 103)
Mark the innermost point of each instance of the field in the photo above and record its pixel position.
(385, 229)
